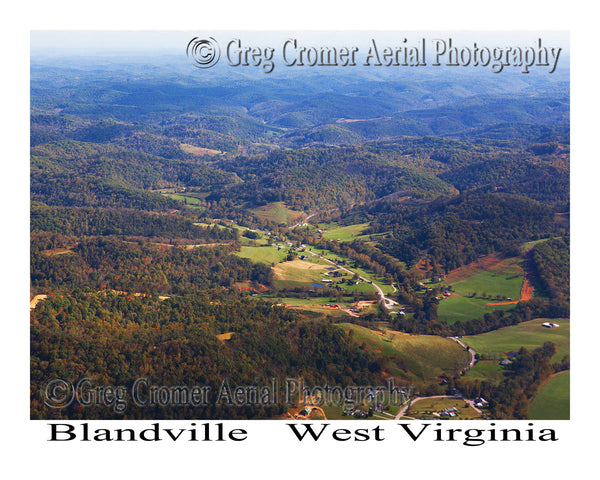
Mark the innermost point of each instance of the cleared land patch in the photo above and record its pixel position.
(432, 407)
(422, 357)
(482, 264)
(192, 149)
(477, 285)
(277, 212)
(553, 400)
(530, 334)
(263, 254)
(225, 336)
(347, 233)
(51, 252)
(296, 273)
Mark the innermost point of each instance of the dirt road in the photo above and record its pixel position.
(35, 300)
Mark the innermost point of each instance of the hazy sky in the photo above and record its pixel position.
(90, 41)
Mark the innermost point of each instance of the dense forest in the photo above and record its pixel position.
(455, 231)
(116, 339)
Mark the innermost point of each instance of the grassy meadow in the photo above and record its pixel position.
(332, 231)
(277, 212)
(471, 295)
(268, 254)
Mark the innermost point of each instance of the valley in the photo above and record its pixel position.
(348, 230)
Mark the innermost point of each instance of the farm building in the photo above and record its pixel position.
(550, 325)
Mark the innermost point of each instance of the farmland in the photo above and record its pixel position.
(431, 407)
(552, 401)
(342, 233)
(263, 254)
(458, 308)
(493, 346)
(423, 357)
(529, 334)
(277, 212)
(338, 227)
(478, 288)
(385, 286)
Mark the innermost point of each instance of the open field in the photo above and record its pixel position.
(482, 287)
(332, 231)
(187, 200)
(459, 309)
(424, 356)
(349, 264)
(298, 273)
(313, 262)
(277, 212)
(187, 148)
(261, 240)
(35, 300)
(500, 281)
(336, 413)
(321, 310)
(488, 370)
(313, 301)
(529, 334)
(552, 402)
(51, 252)
(337, 306)
(430, 407)
(263, 254)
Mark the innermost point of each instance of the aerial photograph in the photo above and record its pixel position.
(299, 226)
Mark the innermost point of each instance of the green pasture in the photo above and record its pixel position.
(263, 254)
(420, 356)
(189, 201)
(332, 231)
(528, 334)
(426, 407)
(296, 273)
(314, 301)
(553, 401)
(335, 412)
(470, 297)
(459, 309)
(277, 212)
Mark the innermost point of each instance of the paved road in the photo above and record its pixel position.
(468, 349)
(383, 300)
